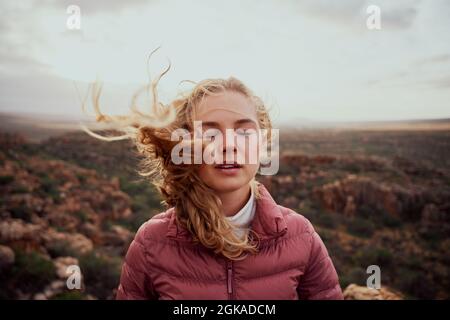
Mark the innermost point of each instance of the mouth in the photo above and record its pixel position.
(228, 166)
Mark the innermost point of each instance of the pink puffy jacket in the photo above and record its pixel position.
(292, 262)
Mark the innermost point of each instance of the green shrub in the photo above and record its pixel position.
(19, 189)
(356, 275)
(81, 215)
(49, 187)
(21, 212)
(390, 221)
(326, 220)
(101, 274)
(81, 177)
(416, 284)
(69, 295)
(369, 255)
(31, 271)
(379, 217)
(4, 180)
(61, 249)
(61, 228)
(368, 212)
(361, 227)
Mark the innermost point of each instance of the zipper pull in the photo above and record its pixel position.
(230, 277)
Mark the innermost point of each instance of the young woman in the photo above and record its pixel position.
(223, 236)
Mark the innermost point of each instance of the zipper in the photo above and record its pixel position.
(230, 279)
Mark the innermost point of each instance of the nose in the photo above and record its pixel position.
(229, 146)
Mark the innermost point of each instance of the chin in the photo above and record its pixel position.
(227, 184)
(220, 182)
(227, 187)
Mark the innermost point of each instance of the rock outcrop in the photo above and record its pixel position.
(355, 292)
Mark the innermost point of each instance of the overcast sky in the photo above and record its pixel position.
(308, 59)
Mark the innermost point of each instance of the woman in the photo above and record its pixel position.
(223, 236)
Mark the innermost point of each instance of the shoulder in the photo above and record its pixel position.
(148, 233)
(301, 228)
(296, 222)
(155, 228)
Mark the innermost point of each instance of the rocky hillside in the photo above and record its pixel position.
(369, 209)
(75, 200)
(53, 214)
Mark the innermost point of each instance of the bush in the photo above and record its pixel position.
(144, 196)
(31, 271)
(4, 180)
(81, 215)
(101, 274)
(368, 212)
(49, 187)
(317, 216)
(19, 189)
(61, 249)
(326, 220)
(374, 255)
(361, 227)
(380, 217)
(69, 295)
(356, 275)
(21, 212)
(416, 284)
(390, 221)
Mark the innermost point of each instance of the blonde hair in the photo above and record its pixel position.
(197, 206)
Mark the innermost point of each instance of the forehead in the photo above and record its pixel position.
(224, 106)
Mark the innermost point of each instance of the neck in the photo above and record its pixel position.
(235, 200)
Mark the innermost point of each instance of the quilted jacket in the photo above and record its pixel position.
(292, 262)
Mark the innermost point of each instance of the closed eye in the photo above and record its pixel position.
(212, 133)
(245, 131)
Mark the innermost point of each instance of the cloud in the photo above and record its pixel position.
(399, 18)
(394, 15)
(442, 83)
(436, 59)
(312, 52)
(413, 79)
(90, 7)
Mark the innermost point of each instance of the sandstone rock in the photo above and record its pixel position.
(76, 242)
(91, 231)
(61, 265)
(40, 296)
(50, 290)
(351, 193)
(15, 229)
(117, 236)
(435, 221)
(355, 292)
(7, 257)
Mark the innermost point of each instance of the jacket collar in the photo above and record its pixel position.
(268, 221)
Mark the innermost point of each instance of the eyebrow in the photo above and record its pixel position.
(216, 124)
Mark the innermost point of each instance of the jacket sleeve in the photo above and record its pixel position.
(320, 280)
(135, 283)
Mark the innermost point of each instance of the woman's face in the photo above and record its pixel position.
(234, 111)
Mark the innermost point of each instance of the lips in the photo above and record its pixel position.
(228, 166)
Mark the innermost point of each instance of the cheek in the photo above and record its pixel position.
(250, 170)
(253, 154)
(202, 170)
(206, 173)
(249, 150)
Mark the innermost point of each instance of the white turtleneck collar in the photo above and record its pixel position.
(243, 217)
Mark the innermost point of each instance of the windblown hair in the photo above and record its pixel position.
(197, 206)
